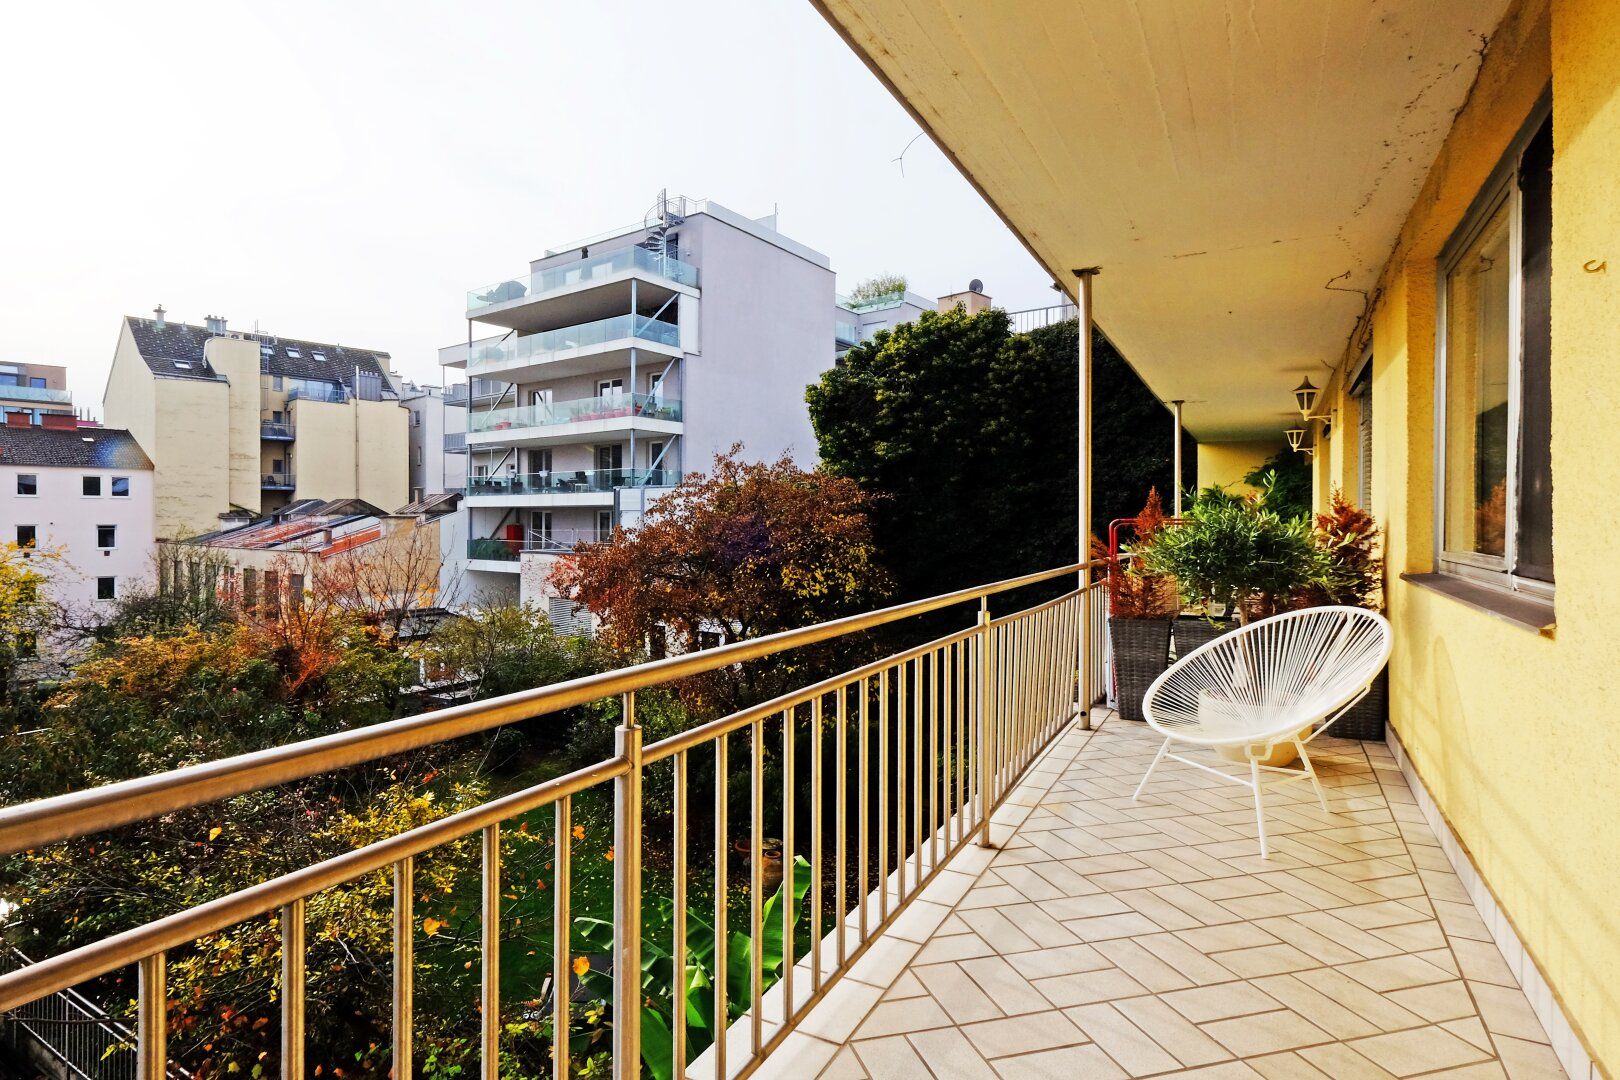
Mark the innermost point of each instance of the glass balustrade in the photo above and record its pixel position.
(538, 348)
(569, 482)
(36, 393)
(608, 407)
(582, 271)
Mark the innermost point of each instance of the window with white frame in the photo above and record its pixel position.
(1493, 381)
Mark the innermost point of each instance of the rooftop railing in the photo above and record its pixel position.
(581, 410)
(570, 482)
(336, 394)
(503, 549)
(582, 271)
(882, 773)
(36, 393)
(538, 348)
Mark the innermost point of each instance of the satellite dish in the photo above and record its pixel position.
(976, 286)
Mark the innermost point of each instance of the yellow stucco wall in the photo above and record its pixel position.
(382, 452)
(324, 451)
(1226, 464)
(1512, 730)
(238, 360)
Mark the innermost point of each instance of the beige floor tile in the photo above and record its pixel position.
(898, 1017)
(905, 986)
(1288, 1066)
(1264, 1033)
(892, 1058)
(1481, 961)
(1343, 1063)
(1418, 1050)
(947, 1052)
(1023, 1034)
(1529, 1060)
(1470, 1030)
(1089, 986)
(1129, 1047)
(1068, 960)
(845, 1065)
(1370, 1005)
(1002, 983)
(1220, 1002)
(1142, 965)
(838, 1014)
(1227, 1070)
(1066, 1063)
(960, 996)
(1184, 958)
(799, 1055)
(1331, 1016)
(1394, 973)
(1506, 1012)
(1103, 927)
(1182, 1038)
(1437, 1001)
(1264, 960)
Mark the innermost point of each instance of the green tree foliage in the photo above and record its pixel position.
(1286, 478)
(966, 434)
(877, 288)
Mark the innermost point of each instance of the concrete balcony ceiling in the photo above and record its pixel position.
(1239, 169)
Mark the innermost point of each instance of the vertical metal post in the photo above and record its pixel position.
(292, 990)
(404, 964)
(489, 1002)
(1083, 500)
(677, 956)
(982, 722)
(1175, 413)
(562, 937)
(635, 314)
(722, 1009)
(152, 1024)
(627, 899)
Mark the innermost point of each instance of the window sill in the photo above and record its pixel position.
(1522, 610)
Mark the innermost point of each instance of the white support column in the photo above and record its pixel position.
(1083, 492)
(1175, 411)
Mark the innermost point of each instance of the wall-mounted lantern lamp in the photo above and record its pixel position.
(1305, 396)
(1296, 441)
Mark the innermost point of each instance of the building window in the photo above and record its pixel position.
(28, 484)
(295, 590)
(120, 487)
(36, 382)
(92, 486)
(272, 592)
(275, 382)
(106, 588)
(250, 587)
(416, 419)
(416, 455)
(106, 536)
(708, 639)
(27, 535)
(1495, 394)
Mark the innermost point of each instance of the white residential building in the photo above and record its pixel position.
(85, 494)
(437, 438)
(624, 362)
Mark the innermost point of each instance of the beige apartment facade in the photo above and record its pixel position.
(246, 422)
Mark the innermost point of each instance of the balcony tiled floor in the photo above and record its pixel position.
(1110, 940)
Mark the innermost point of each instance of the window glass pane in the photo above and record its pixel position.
(92, 485)
(106, 535)
(1534, 547)
(1476, 440)
(106, 588)
(27, 484)
(120, 486)
(26, 535)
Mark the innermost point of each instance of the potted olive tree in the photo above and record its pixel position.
(1353, 574)
(1141, 605)
(1235, 557)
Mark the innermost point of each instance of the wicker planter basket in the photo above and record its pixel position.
(1195, 630)
(1365, 720)
(1141, 649)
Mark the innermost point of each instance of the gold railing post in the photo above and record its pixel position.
(1083, 476)
(627, 899)
(490, 949)
(982, 722)
(152, 1025)
(404, 964)
(292, 991)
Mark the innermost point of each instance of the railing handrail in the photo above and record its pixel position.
(78, 813)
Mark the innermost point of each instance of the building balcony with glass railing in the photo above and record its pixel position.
(513, 357)
(608, 412)
(568, 482)
(510, 549)
(598, 269)
(42, 394)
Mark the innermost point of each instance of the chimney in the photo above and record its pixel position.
(158, 317)
(214, 324)
(972, 301)
(59, 421)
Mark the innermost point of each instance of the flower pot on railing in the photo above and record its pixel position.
(1141, 651)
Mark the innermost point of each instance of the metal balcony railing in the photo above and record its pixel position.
(455, 442)
(569, 483)
(336, 394)
(282, 481)
(511, 352)
(273, 429)
(503, 549)
(581, 410)
(582, 271)
(1035, 318)
(892, 767)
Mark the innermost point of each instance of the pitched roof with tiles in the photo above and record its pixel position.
(176, 350)
(72, 448)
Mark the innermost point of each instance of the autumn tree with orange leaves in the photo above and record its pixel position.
(742, 551)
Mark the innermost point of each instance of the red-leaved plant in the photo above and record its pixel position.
(1133, 592)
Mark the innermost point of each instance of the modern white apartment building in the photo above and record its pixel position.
(620, 363)
(437, 438)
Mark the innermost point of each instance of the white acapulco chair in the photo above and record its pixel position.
(1264, 685)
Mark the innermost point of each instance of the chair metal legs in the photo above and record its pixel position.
(1310, 770)
(1259, 804)
(1156, 759)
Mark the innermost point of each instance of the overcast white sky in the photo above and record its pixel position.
(346, 171)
